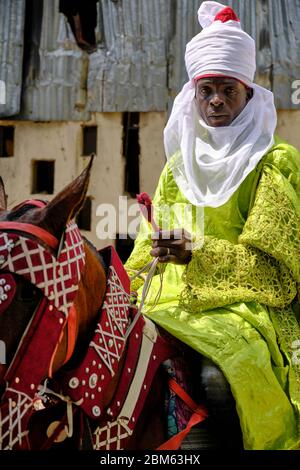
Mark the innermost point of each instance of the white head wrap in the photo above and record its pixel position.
(210, 163)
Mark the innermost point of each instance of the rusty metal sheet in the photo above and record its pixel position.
(12, 17)
(130, 71)
(138, 61)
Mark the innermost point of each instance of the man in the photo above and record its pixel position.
(233, 298)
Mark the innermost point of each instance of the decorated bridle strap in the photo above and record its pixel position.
(38, 232)
(58, 278)
(26, 372)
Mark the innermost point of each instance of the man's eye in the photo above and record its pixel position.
(204, 91)
(230, 90)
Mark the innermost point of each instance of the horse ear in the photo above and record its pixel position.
(3, 204)
(67, 203)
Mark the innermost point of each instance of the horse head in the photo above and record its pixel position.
(65, 317)
(46, 223)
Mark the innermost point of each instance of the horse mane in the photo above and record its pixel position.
(101, 259)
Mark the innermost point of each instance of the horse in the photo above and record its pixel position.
(57, 293)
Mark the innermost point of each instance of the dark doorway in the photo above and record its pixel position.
(7, 141)
(43, 177)
(89, 141)
(131, 152)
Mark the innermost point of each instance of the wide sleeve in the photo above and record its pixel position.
(264, 265)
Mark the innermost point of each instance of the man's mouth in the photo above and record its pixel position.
(216, 120)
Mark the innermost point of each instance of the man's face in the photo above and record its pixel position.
(220, 100)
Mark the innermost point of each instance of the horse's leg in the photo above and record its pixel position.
(223, 417)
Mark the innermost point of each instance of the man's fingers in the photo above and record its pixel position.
(168, 255)
(161, 252)
(166, 259)
(166, 235)
(177, 247)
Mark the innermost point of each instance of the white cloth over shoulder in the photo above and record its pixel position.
(210, 163)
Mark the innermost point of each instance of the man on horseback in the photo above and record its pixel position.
(231, 295)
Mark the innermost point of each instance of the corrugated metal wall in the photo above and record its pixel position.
(12, 16)
(285, 48)
(57, 90)
(129, 71)
(139, 61)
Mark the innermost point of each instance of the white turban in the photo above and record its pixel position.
(209, 163)
(221, 47)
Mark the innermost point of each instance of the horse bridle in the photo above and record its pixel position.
(58, 278)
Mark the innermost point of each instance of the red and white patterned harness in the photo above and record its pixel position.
(58, 278)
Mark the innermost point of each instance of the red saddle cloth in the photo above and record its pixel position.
(142, 353)
(82, 390)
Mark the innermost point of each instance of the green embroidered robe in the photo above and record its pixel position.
(236, 302)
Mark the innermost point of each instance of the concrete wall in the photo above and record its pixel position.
(62, 142)
(288, 126)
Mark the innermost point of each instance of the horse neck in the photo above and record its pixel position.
(89, 298)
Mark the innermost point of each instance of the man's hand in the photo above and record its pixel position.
(173, 246)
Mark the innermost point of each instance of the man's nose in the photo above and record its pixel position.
(216, 100)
